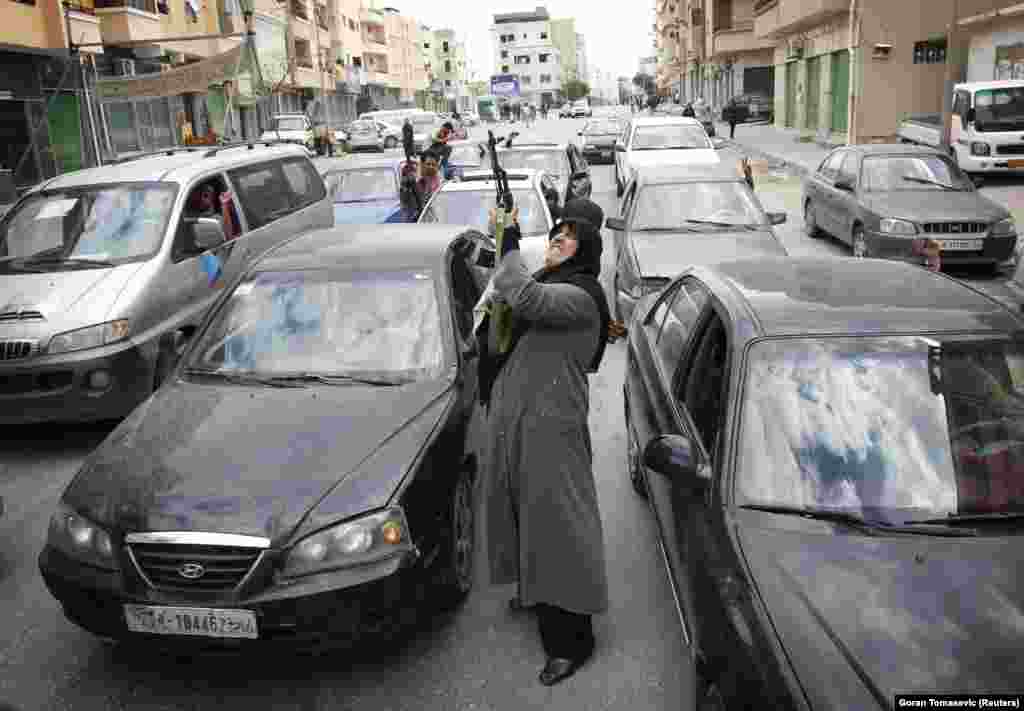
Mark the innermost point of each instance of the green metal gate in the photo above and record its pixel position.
(791, 94)
(65, 132)
(840, 89)
(813, 90)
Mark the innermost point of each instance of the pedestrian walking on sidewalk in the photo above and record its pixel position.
(729, 116)
(543, 525)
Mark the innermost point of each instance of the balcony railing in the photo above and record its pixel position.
(762, 5)
(321, 17)
(299, 9)
(144, 5)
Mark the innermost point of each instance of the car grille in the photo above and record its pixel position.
(954, 228)
(31, 382)
(1016, 149)
(17, 349)
(224, 567)
(20, 316)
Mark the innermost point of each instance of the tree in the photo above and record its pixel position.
(576, 89)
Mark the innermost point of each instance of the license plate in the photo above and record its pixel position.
(191, 621)
(961, 244)
(1015, 163)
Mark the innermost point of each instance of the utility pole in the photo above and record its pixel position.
(952, 37)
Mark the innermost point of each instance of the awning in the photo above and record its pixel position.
(192, 78)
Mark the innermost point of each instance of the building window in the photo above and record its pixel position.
(426, 45)
(504, 54)
(543, 59)
(543, 35)
(504, 69)
(447, 65)
(526, 80)
(522, 59)
(930, 52)
(524, 35)
(545, 78)
(299, 9)
(352, 25)
(444, 46)
(302, 55)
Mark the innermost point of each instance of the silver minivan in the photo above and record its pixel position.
(106, 272)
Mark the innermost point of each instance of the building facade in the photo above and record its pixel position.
(582, 68)
(562, 32)
(523, 46)
(450, 68)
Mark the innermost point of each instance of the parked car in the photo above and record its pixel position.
(661, 140)
(581, 109)
(390, 133)
(808, 533)
(103, 271)
(365, 135)
(672, 218)
(597, 140)
(562, 161)
(884, 199)
(294, 128)
(365, 192)
(305, 475)
(986, 129)
(752, 107)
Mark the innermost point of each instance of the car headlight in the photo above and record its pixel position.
(897, 227)
(81, 539)
(1004, 228)
(364, 540)
(980, 149)
(89, 337)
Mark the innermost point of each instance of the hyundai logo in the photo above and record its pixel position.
(191, 571)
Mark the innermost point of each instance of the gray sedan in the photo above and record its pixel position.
(365, 135)
(887, 200)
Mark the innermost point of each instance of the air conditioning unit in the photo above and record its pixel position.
(124, 67)
(794, 49)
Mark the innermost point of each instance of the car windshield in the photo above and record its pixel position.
(999, 109)
(889, 428)
(911, 172)
(113, 223)
(554, 163)
(363, 185)
(331, 323)
(364, 127)
(472, 207)
(602, 128)
(465, 155)
(655, 138)
(671, 207)
(290, 123)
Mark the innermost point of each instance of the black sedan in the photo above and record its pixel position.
(597, 140)
(675, 217)
(834, 454)
(751, 107)
(562, 161)
(887, 201)
(304, 475)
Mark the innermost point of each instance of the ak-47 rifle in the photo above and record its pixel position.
(501, 314)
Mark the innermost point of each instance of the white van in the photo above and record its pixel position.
(987, 133)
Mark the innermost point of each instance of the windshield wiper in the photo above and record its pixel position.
(242, 379)
(78, 261)
(856, 521)
(721, 224)
(926, 181)
(342, 379)
(957, 519)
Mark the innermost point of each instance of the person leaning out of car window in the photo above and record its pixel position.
(204, 203)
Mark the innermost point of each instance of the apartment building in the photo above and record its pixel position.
(840, 70)
(450, 68)
(582, 68)
(564, 37)
(523, 46)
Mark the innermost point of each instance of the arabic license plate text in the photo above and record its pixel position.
(1015, 163)
(961, 244)
(191, 621)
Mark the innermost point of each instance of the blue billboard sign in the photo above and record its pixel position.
(505, 85)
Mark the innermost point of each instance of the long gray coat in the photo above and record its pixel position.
(542, 520)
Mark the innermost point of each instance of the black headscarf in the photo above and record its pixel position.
(583, 269)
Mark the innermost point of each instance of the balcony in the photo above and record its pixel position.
(372, 17)
(85, 26)
(300, 10)
(739, 37)
(322, 18)
(776, 18)
(128, 20)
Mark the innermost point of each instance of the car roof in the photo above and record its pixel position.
(381, 246)
(335, 165)
(695, 173)
(484, 180)
(993, 84)
(533, 146)
(666, 120)
(178, 165)
(845, 295)
(889, 148)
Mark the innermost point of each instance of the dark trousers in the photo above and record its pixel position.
(732, 129)
(565, 634)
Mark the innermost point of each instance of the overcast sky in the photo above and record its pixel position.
(617, 34)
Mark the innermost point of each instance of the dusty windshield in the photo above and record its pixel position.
(554, 163)
(999, 109)
(924, 172)
(364, 185)
(117, 223)
(328, 323)
(889, 428)
(672, 207)
(466, 155)
(602, 128)
(472, 207)
(660, 138)
(290, 123)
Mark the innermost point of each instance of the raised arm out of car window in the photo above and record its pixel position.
(548, 304)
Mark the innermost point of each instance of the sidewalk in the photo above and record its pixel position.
(781, 147)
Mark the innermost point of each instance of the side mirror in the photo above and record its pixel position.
(207, 233)
(844, 185)
(673, 456)
(777, 218)
(615, 223)
(620, 147)
(718, 143)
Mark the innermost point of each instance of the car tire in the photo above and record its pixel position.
(455, 575)
(390, 142)
(636, 475)
(859, 244)
(811, 228)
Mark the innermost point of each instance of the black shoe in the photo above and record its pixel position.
(557, 669)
